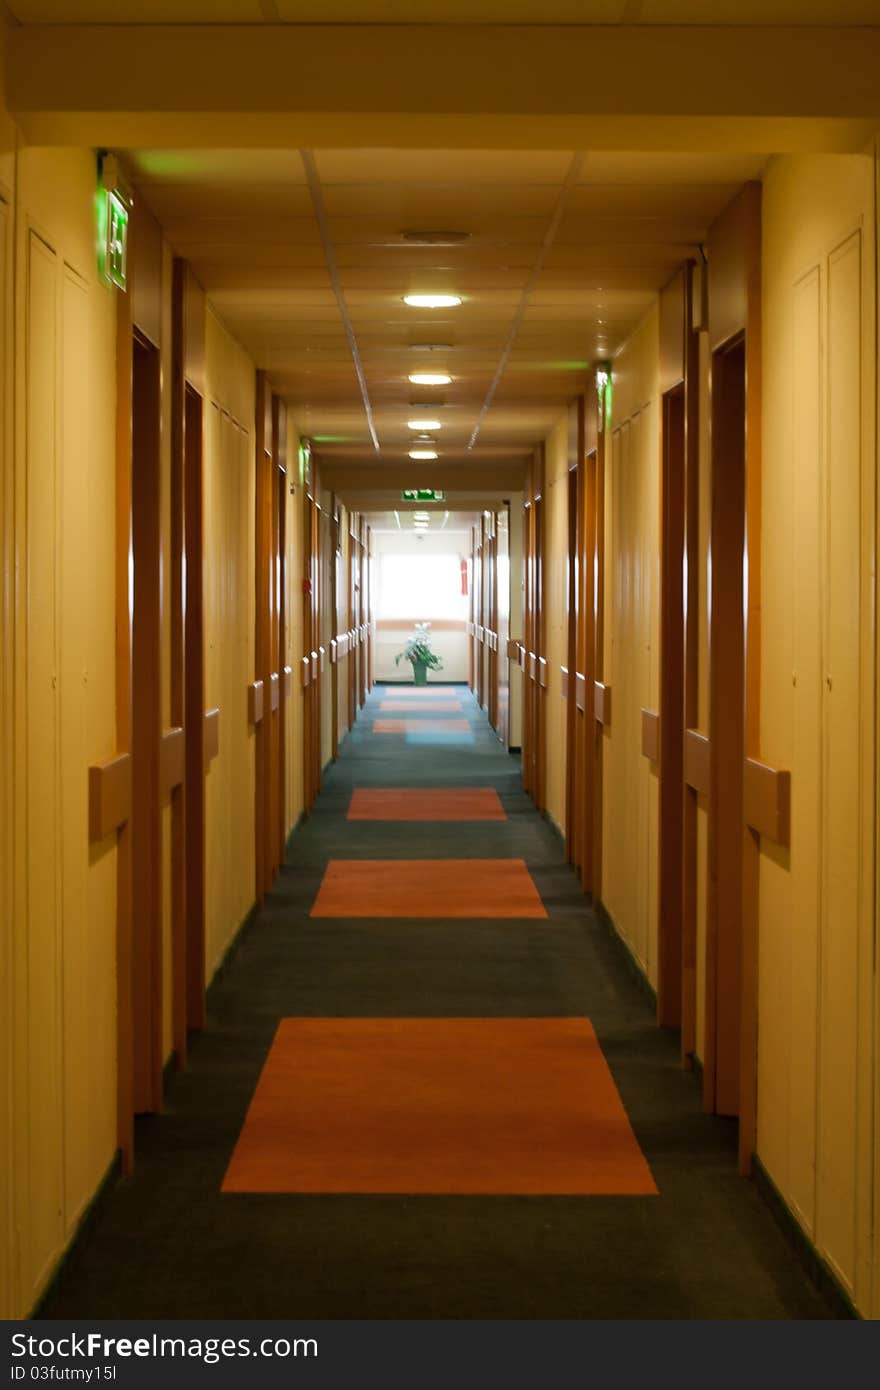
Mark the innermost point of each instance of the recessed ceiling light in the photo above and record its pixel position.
(424, 424)
(432, 301)
(429, 378)
(422, 516)
(423, 453)
(430, 237)
(420, 525)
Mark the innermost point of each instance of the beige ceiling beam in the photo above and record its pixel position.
(592, 87)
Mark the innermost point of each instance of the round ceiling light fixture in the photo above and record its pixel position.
(432, 301)
(423, 454)
(429, 378)
(424, 425)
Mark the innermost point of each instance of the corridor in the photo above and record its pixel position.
(167, 1242)
(528, 350)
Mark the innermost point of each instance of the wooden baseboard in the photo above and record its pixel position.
(634, 966)
(86, 1221)
(819, 1270)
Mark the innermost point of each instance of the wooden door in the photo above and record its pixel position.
(279, 636)
(595, 641)
(724, 945)
(502, 570)
(146, 727)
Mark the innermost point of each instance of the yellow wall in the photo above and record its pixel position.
(8, 1301)
(555, 612)
(816, 1006)
(59, 928)
(229, 570)
(632, 491)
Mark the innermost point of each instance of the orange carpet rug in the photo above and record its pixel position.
(432, 706)
(429, 1105)
(427, 888)
(398, 803)
(421, 726)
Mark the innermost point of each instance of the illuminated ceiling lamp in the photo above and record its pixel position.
(422, 425)
(432, 301)
(429, 378)
(423, 454)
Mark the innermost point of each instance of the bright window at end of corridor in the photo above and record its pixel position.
(420, 587)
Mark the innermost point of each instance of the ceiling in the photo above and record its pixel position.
(304, 257)
(691, 12)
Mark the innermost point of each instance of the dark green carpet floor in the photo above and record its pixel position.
(166, 1243)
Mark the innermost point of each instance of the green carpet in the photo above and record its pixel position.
(167, 1243)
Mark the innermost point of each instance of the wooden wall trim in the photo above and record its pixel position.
(674, 311)
(696, 761)
(274, 690)
(255, 702)
(542, 672)
(288, 681)
(602, 703)
(767, 801)
(651, 735)
(306, 668)
(109, 796)
(172, 759)
(580, 690)
(212, 734)
(563, 681)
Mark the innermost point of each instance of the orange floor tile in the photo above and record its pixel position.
(419, 1105)
(421, 726)
(427, 888)
(432, 706)
(476, 803)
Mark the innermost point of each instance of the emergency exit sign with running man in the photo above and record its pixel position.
(422, 494)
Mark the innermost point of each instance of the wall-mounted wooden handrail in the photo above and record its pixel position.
(696, 761)
(322, 653)
(651, 735)
(172, 760)
(306, 668)
(274, 690)
(513, 646)
(563, 678)
(255, 702)
(109, 796)
(767, 801)
(542, 672)
(288, 681)
(212, 734)
(602, 703)
(580, 691)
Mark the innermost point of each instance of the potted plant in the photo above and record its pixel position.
(418, 652)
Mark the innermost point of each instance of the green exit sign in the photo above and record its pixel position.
(113, 214)
(422, 494)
